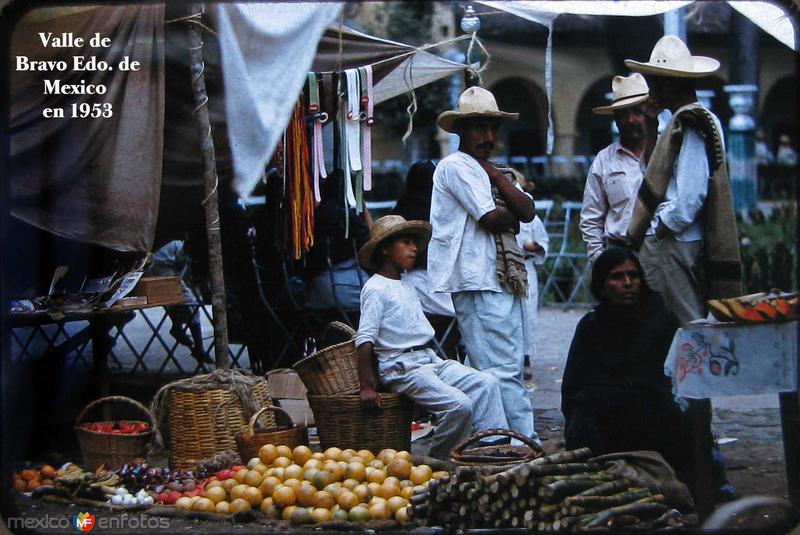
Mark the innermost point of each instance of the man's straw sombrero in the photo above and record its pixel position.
(473, 103)
(628, 91)
(671, 57)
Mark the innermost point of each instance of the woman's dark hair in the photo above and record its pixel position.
(416, 201)
(608, 260)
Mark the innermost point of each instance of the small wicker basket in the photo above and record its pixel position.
(205, 421)
(333, 370)
(250, 441)
(343, 423)
(111, 449)
(495, 455)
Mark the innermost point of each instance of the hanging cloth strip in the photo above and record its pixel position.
(353, 133)
(317, 117)
(344, 159)
(329, 101)
(367, 120)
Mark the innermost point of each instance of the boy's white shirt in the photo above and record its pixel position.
(391, 317)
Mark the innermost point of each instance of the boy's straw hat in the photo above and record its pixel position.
(628, 91)
(388, 227)
(671, 57)
(473, 103)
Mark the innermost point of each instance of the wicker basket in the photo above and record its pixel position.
(112, 450)
(333, 370)
(343, 423)
(204, 422)
(250, 441)
(496, 455)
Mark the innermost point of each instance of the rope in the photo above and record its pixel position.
(193, 19)
(408, 77)
(241, 383)
(477, 73)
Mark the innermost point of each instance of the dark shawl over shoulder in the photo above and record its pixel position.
(617, 355)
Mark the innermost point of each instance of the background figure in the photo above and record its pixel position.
(331, 222)
(786, 159)
(171, 261)
(764, 162)
(534, 244)
(415, 204)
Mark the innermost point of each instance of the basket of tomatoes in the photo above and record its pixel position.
(113, 443)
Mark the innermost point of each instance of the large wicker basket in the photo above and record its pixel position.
(505, 454)
(204, 422)
(111, 449)
(343, 423)
(333, 370)
(250, 441)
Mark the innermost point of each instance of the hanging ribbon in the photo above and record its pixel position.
(367, 120)
(353, 125)
(344, 159)
(548, 80)
(317, 117)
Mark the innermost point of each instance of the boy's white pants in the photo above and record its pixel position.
(462, 399)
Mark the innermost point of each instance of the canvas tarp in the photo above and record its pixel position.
(90, 179)
(119, 183)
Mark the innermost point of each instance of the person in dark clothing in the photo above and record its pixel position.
(339, 233)
(615, 396)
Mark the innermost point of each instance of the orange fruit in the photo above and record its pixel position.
(320, 514)
(293, 471)
(379, 511)
(216, 494)
(20, 485)
(253, 478)
(286, 514)
(269, 509)
(306, 495)
(389, 489)
(342, 515)
(407, 492)
(253, 495)
(360, 513)
(376, 499)
(420, 474)
(376, 476)
(301, 516)
(268, 453)
(268, 485)
(335, 469)
(356, 471)
(321, 479)
(332, 453)
(439, 474)
(253, 462)
(324, 499)
(222, 508)
(376, 463)
(333, 488)
(301, 454)
(346, 455)
(204, 505)
(48, 472)
(279, 473)
(350, 483)
(363, 493)
(318, 455)
(403, 454)
(399, 467)
(184, 503)
(238, 491)
(239, 505)
(346, 499)
(214, 483)
(395, 503)
(401, 515)
(366, 455)
(228, 484)
(313, 463)
(281, 462)
(285, 451)
(33, 484)
(293, 483)
(374, 488)
(386, 455)
(29, 475)
(261, 468)
(239, 476)
(284, 496)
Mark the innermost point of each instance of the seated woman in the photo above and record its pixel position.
(614, 395)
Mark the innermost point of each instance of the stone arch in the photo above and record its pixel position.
(593, 130)
(527, 136)
(779, 114)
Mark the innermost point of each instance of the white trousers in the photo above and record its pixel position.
(492, 333)
(463, 400)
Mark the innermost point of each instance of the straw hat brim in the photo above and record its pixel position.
(421, 229)
(691, 67)
(447, 119)
(620, 105)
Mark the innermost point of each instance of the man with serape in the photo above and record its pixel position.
(684, 212)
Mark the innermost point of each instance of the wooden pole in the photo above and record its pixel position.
(211, 181)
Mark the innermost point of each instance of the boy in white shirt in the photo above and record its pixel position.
(394, 331)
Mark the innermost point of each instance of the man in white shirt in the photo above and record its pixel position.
(462, 257)
(677, 183)
(616, 172)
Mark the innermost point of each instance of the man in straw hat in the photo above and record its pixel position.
(616, 172)
(475, 212)
(394, 331)
(684, 211)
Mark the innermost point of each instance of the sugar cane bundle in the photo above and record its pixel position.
(560, 492)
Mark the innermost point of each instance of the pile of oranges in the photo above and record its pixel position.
(303, 487)
(30, 479)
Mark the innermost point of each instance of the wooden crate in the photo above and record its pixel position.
(159, 289)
